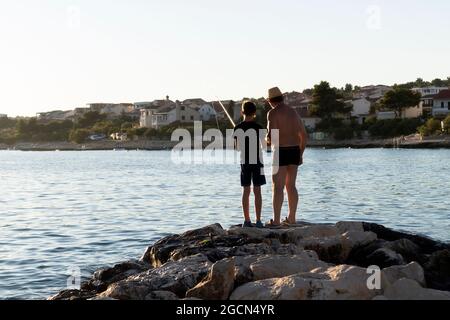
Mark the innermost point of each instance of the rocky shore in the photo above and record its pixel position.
(168, 145)
(301, 262)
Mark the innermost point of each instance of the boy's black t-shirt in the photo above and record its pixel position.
(246, 126)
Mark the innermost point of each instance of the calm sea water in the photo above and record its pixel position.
(65, 210)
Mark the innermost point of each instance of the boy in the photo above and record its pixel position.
(248, 142)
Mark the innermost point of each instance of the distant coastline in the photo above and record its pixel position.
(159, 145)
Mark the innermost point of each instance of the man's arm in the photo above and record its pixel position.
(303, 135)
(269, 128)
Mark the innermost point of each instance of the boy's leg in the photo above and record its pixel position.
(258, 202)
(246, 202)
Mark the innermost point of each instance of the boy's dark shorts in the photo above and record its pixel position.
(252, 173)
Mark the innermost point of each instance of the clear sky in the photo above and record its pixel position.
(60, 54)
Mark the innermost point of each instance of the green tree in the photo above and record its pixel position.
(126, 125)
(90, 118)
(431, 127)
(79, 135)
(327, 102)
(447, 124)
(399, 99)
(439, 82)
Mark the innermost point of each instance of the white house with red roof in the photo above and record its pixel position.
(441, 105)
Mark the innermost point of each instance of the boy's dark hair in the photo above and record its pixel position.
(279, 99)
(249, 108)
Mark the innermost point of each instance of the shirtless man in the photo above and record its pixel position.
(289, 152)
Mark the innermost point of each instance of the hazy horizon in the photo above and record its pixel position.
(59, 55)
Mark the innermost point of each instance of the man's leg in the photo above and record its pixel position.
(246, 202)
(279, 181)
(291, 188)
(258, 202)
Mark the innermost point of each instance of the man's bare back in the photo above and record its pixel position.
(291, 130)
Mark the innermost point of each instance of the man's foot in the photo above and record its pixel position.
(288, 222)
(247, 224)
(272, 224)
(259, 224)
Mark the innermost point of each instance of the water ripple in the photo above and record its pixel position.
(93, 209)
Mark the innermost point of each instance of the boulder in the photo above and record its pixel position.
(269, 246)
(407, 289)
(345, 226)
(219, 283)
(412, 271)
(335, 283)
(98, 298)
(331, 249)
(354, 239)
(73, 295)
(174, 276)
(256, 234)
(427, 245)
(242, 272)
(374, 253)
(296, 235)
(408, 249)
(161, 295)
(385, 257)
(191, 241)
(437, 270)
(102, 278)
(277, 266)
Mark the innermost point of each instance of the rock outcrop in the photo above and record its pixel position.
(302, 262)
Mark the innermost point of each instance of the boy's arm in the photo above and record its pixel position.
(235, 140)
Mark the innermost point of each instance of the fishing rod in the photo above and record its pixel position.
(226, 112)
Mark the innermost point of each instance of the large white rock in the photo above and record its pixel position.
(407, 289)
(335, 283)
(267, 267)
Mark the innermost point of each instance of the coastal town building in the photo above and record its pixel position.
(207, 112)
(233, 108)
(196, 103)
(143, 105)
(361, 109)
(427, 97)
(111, 109)
(56, 115)
(441, 105)
(425, 91)
(295, 98)
(168, 115)
(372, 93)
(408, 113)
(385, 115)
(309, 121)
(413, 112)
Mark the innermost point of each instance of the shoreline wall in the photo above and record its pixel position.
(168, 145)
